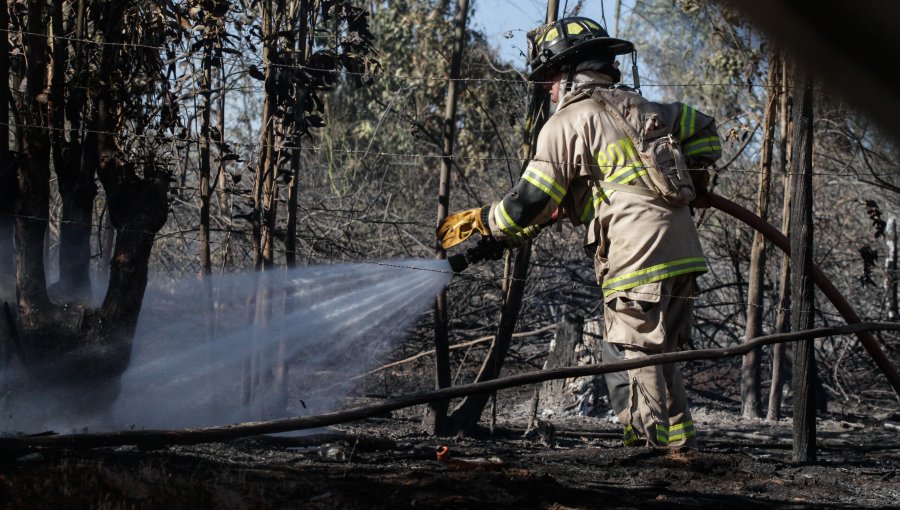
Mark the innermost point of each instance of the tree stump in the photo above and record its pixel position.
(576, 343)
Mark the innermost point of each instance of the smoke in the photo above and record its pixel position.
(249, 346)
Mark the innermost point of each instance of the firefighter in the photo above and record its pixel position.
(645, 249)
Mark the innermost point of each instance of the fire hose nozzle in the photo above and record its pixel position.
(486, 249)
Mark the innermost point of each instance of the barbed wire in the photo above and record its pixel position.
(532, 280)
(254, 147)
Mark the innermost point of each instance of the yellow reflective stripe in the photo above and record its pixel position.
(657, 267)
(662, 434)
(654, 274)
(687, 128)
(507, 225)
(630, 172)
(693, 125)
(708, 144)
(681, 431)
(588, 209)
(629, 437)
(701, 150)
(593, 204)
(622, 170)
(574, 28)
(545, 184)
(701, 141)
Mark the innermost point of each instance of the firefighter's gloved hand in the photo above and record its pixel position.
(457, 227)
(521, 239)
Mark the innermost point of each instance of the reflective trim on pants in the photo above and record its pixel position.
(682, 431)
(631, 438)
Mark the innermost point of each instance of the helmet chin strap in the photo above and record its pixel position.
(568, 83)
(634, 72)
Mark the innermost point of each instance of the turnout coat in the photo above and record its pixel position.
(636, 241)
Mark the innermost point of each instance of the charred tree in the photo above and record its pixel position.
(801, 263)
(33, 200)
(466, 415)
(750, 369)
(67, 346)
(890, 268)
(77, 188)
(436, 416)
(301, 45)
(780, 360)
(8, 183)
(209, 41)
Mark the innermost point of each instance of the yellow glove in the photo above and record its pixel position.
(457, 227)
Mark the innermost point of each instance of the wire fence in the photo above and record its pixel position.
(245, 61)
(881, 169)
(557, 283)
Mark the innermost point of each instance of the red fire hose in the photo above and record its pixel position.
(843, 307)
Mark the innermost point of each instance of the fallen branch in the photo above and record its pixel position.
(463, 345)
(158, 438)
(359, 442)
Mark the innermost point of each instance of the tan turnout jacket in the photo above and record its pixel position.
(637, 241)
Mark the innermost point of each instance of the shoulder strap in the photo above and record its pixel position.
(618, 117)
(635, 139)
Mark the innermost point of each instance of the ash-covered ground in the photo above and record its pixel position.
(390, 462)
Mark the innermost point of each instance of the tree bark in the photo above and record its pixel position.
(466, 415)
(8, 172)
(780, 360)
(32, 205)
(77, 189)
(436, 416)
(890, 268)
(751, 401)
(205, 157)
(569, 334)
(801, 276)
(268, 207)
(843, 307)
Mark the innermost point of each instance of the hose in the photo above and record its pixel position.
(843, 307)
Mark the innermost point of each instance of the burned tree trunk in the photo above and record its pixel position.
(69, 347)
(77, 189)
(750, 369)
(780, 360)
(562, 354)
(33, 200)
(8, 182)
(437, 412)
(890, 268)
(204, 195)
(801, 276)
(468, 412)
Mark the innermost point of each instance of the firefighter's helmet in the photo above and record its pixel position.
(552, 47)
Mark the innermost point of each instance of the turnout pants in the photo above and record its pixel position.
(646, 323)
